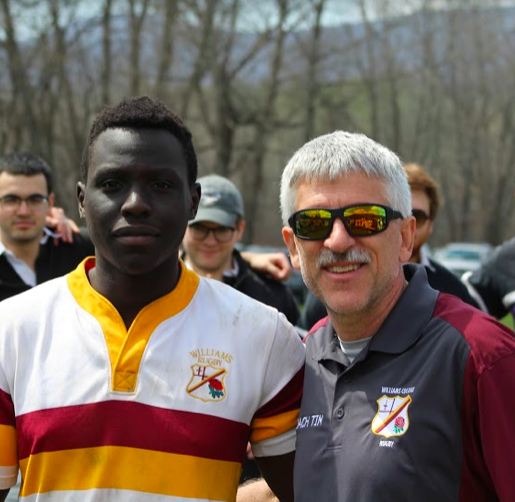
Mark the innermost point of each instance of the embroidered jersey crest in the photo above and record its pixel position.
(207, 383)
(392, 417)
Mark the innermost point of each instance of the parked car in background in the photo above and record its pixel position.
(461, 257)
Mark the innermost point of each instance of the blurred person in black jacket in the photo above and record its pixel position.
(426, 199)
(494, 281)
(209, 246)
(209, 250)
(28, 254)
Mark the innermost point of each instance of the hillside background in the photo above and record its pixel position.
(433, 80)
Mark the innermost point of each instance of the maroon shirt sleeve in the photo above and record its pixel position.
(496, 403)
(488, 428)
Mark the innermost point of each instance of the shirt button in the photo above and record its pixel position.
(347, 378)
(339, 413)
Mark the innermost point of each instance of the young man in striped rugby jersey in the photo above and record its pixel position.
(132, 378)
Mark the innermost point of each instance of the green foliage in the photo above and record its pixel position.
(508, 321)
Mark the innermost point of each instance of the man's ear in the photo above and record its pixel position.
(195, 199)
(80, 198)
(289, 240)
(431, 226)
(408, 228)
(240, 228)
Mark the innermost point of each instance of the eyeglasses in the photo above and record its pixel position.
(360, 220)
(35, 202)
(222, 234)
(420, 216)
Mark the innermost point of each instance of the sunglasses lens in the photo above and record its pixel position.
(312, 223)
(365, 220)
(420, 216)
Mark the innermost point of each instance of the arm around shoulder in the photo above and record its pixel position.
(278, 473)
(277, 485)
(275, 264)
(255, 491)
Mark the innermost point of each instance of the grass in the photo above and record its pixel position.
(508, 320)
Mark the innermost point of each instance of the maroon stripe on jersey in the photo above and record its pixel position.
(135, 425)
(6, 409)
(286, 400)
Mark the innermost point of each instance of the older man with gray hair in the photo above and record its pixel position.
(407, 391)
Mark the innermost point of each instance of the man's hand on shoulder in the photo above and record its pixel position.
(275, 264)
(278, 473)
(61, 224)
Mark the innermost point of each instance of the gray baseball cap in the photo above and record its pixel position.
(221, 202)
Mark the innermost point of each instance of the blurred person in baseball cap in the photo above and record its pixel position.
(209, 246)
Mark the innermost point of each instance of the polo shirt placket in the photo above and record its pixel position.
(391, 422)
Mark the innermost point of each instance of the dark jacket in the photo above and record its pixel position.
(53, 261)
(495, 280)
(262, 288)
(439, 278)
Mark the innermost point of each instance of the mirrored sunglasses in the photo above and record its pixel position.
(420, 216)
(360, 220)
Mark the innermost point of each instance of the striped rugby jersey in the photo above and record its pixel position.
(163, 411)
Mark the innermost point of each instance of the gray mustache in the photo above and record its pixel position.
(327, 257)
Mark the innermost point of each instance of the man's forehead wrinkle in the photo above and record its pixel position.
(129, 159)
(134, 170)
(118, 146)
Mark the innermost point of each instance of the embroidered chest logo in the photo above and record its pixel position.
(392, 417)
(208, 375)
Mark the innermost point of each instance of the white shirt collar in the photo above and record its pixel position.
(47, 234)
(20, 267)
(424, 260)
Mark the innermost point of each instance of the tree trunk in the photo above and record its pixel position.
(167, 43)
(105, 79)
(136, 25)
(312, 85)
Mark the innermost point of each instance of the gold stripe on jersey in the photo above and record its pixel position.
(269, 427)
(123, 468)
(126, 347)
(8, 446)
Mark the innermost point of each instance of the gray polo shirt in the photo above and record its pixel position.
(425, 412)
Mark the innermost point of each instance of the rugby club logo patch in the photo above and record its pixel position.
(392, 417)
(207, 383)
(208, 374)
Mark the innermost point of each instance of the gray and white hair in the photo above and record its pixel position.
(339, 154)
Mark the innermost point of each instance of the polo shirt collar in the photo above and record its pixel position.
(403, 326)
(400, 330)
(424, 259)
(328, 345)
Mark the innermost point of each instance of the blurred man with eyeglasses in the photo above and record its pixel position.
(209, 250)
(27, 253)
(425, 200)
(209, 246)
